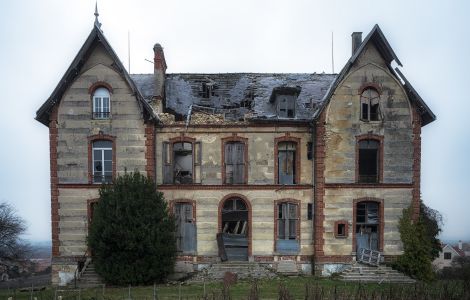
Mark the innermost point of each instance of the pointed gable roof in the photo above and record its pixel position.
(377, 37)
(95, 36)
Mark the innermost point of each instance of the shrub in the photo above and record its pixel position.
(420, 243)
(132, 234)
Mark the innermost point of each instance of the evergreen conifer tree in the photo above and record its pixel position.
(132, 233)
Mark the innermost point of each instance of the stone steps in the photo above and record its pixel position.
(381, 274)
(89, 278)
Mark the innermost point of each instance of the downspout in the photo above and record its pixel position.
(314, 181)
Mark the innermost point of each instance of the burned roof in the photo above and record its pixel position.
(236, 95)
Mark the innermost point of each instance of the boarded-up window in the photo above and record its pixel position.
(370, 105)
(234, 163)
(286, 106)
(102, 161)
(286, 162)
(369, 161)
(185, 227)
(183, 163)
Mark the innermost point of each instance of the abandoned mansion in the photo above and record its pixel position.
(299, 169)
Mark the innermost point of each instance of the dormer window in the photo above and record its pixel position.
(286, 106)
(101, 103)
(370, 109)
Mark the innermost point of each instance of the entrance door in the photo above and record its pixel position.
(185, 228)
(235, 229)
(367, 226)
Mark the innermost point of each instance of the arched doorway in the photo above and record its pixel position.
(233, 238)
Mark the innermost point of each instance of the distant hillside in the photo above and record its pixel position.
(41, 249)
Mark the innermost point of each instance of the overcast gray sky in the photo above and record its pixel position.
(39, 39)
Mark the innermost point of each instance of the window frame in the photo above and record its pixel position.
(380, 157)
(93, 90)
(380, 224)
(298, 219)
(235, 139)
(344, 223)
(297, 165)
(362, 100)
(449, 254)
(168, 159)
(290, 104)
(91, 140)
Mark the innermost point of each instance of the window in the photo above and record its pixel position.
(288, 227)
(447, 255)
(286, 106)
(287, 162)
(101, 103)
(370, 107)
(309, 150)
(368, 161)
(102, 161)
(181, 162)
(367, 225)
(234, 163)
(341, 229)
(310, 211)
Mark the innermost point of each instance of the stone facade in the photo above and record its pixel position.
(299, 166)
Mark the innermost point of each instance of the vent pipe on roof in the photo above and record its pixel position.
(356, 41)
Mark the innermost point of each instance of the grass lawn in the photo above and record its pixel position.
(297, 288)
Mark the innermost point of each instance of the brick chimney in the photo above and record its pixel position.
(159, 71)
(460, 244)
(356, 41)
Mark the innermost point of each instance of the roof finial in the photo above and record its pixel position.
(97, 23)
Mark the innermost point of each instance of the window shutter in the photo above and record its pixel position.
(166, 157)
(197, 162)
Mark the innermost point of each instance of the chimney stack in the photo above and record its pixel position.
(460, 244)
(356, 41)
(159, 72)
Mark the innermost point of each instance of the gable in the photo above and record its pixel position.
(95, 49)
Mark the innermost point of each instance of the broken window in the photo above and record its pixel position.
(368, 163)
(286, 106)
(370, 107)
(102, 161)
(208, 89)
(234, 163)
(286, 162)
(447, 255)
(309, 150)
(367, 225)
(183, 163)
(235, 217)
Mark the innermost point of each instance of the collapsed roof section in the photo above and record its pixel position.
(240, 96)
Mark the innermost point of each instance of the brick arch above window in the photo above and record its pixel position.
(380, 202)
(287, 138)
(100, 137)
(380, 164)
(234, 139)
(369, 85)
(100, 84)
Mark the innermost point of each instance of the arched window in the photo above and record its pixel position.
(102, 161)
(370, 107)
(101, 103)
